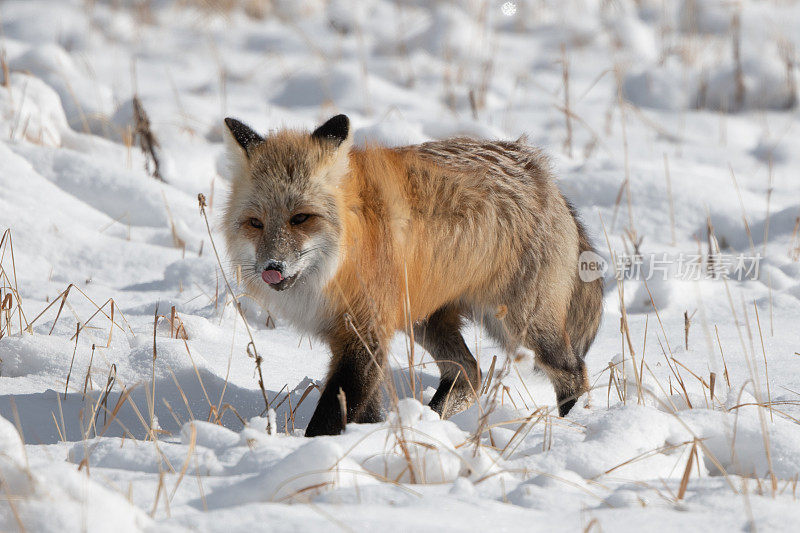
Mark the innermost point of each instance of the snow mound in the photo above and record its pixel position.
(315, 466)
(32, 110)
(86, 101)
(57, 497)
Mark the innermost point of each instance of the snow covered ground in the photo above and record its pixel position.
(673, 127)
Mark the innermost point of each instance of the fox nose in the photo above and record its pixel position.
(275, 265)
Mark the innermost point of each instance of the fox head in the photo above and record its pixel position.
(282, 222)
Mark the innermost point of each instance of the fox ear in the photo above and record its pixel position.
(335, 130)
(243, 134)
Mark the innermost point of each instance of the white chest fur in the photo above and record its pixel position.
(303, 305)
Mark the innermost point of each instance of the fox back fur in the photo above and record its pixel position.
(353, 245)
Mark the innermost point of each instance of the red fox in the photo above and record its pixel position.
(353, 245)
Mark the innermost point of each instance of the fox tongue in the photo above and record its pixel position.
(272, 276)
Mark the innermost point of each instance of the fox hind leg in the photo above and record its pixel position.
(554, 353)
(440, 334)
(566, 370)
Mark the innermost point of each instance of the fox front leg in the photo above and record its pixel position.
(357, 371)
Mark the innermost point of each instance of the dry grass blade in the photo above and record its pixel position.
(670, 407)
(6, 243)
(722, 354)
(624, 327)
(72, 361)
(177, 241)
(627, 183)
(687, 473)
(58, 428)
(87, 380)
(540, 414)
(489, 375)
(12, 505)
(794, 247)
(687, 323)
(711, 382)
(110, 381)
(342, 407)
(189, 453)
(159, 490)
(4, 68)
(120, 402)
(744, 213)
(147, 140)
(228, 407)
(736, 37)
(567, 114)
(199, 378)
(645, 455)
(62, 297)
(303, 396)
(766, 366)
(201, 200)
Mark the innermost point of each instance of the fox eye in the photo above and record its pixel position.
(298, 219)
(255, 223)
